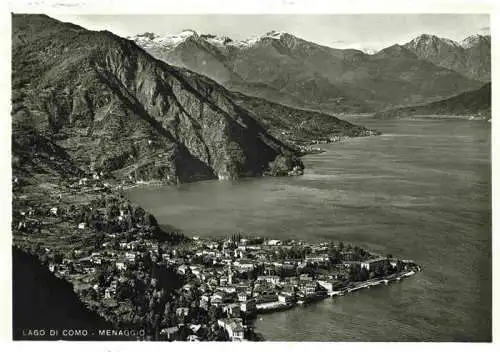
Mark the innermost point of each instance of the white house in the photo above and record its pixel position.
(130, 256)
(242, 296)
(373, 264)
(182, 269)
(169, 332)
(274, 242)
(83, 181)
(272, 279)
(109, 293)
(233, 327)
(121, 266)
(232, 309)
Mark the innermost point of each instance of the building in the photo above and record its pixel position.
(274, 242)
(83, 181)
(228, 289)
(307, 288)
(232, 310)
(249, 306)
(187, 287)
(288, 290)
(285, 299)
(204, 304)
(272, 279)
(305, 277)
(230, 275)
(373, 264)
(195, 327)
(234, 328)
(327, 285)
(182, 311)
(182, 269)
(170, 333)
(242, 296)
(219, 295)
(244, 265)
(109, 292)
(319, 259)
(121, 266)
(130, 256)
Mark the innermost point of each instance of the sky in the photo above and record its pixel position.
(365, 31)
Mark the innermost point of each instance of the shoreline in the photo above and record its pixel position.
(89, 193)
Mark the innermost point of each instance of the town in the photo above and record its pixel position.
(135, 274)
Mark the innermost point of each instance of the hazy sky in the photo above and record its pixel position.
(367, 31)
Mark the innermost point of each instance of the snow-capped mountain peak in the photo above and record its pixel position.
(169, 41)
(149, 39)
(427, 40)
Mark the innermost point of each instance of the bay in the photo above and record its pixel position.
(421, 191)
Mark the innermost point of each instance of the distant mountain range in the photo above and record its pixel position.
(82, 98)
(289, 70)
(474, 105)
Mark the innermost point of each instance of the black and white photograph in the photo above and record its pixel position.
(243, 177)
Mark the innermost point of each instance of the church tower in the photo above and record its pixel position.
(230, 274)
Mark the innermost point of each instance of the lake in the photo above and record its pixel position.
(420, 191)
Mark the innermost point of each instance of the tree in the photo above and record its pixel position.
(71, 268)
(399, 265)
(101, 277)
(139, 214)
(150, 220)
(98, 240)
(58, 258)
(341, 246)
(335, 256)
(214, 313)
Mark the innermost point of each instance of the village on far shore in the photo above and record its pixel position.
(137, 274)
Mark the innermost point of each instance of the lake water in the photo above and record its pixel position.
(420, 191)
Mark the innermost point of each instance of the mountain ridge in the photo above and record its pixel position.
(289, 70)
(474, 104)
(470, 57)
(110, 105)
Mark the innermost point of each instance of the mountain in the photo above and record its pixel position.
(476, 104)
(82, 98)
(238, 65)
(470, 57)
(289, 70)
(296, 126)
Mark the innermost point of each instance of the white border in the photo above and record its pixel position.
(219, 7)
